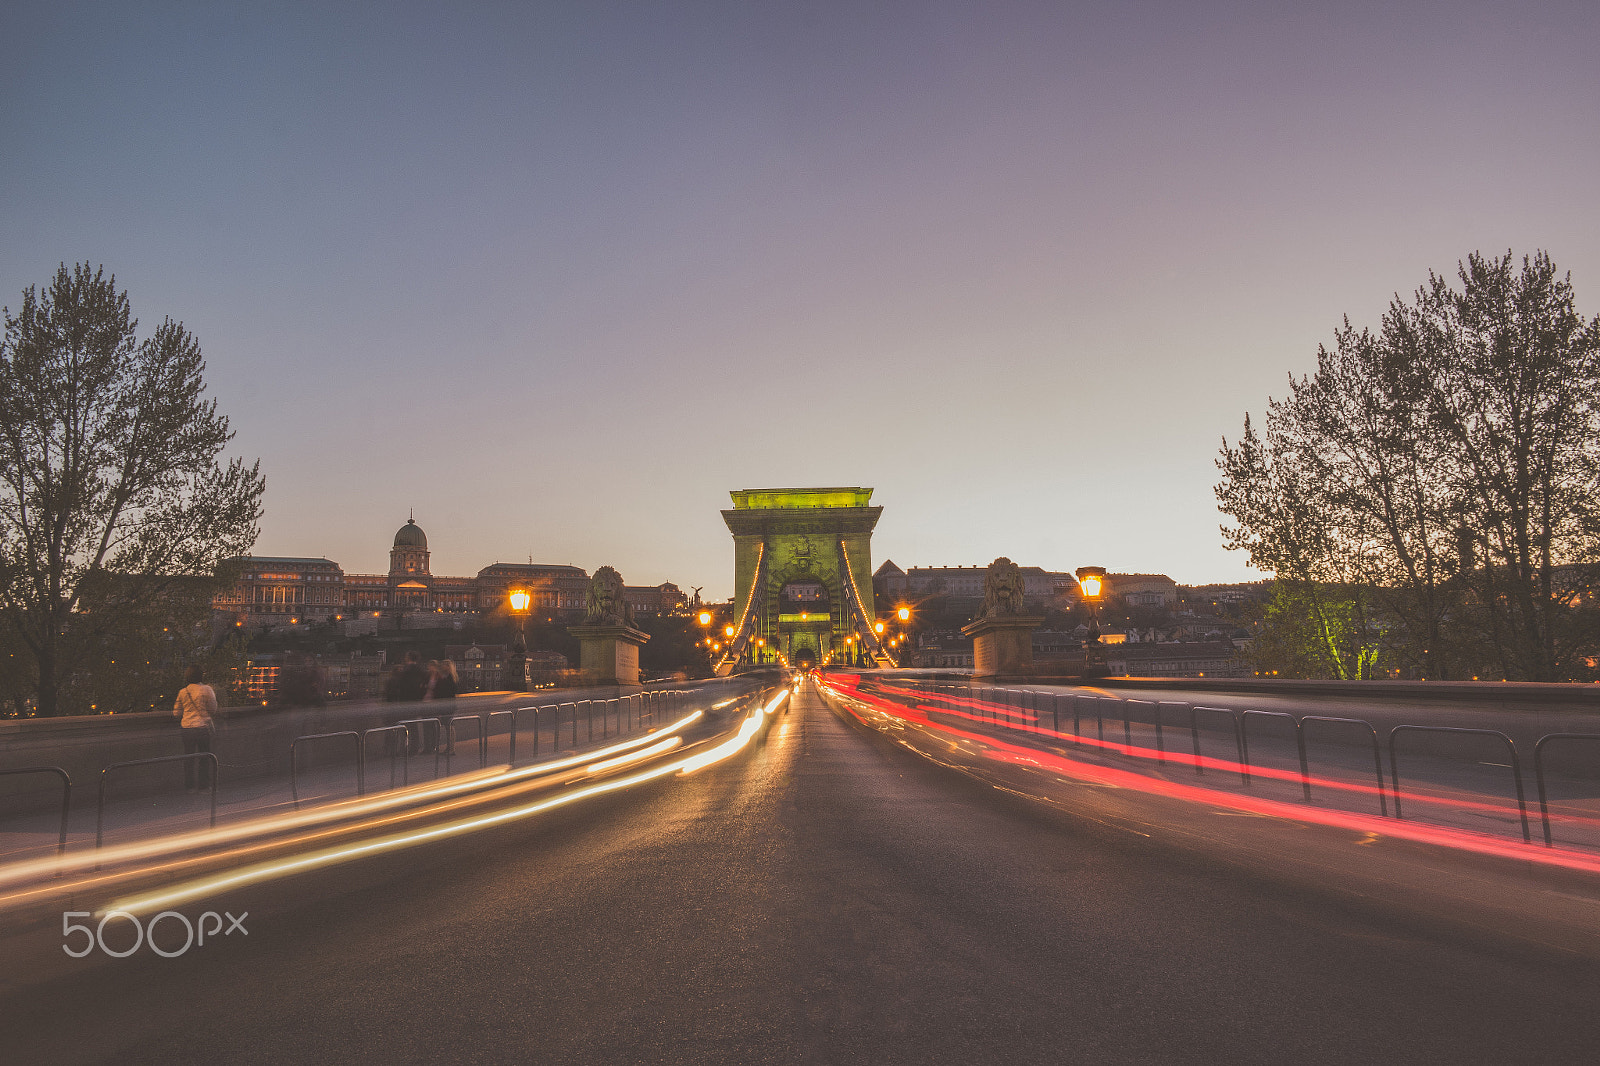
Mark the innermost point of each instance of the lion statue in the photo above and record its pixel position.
(1002, 589)
(607, 605)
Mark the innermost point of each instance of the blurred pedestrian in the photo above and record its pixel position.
(196, 710)
(407, 684)
(443, 684)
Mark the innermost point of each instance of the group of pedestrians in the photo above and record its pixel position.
(412, 682)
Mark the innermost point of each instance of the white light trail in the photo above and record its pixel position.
(265, 871)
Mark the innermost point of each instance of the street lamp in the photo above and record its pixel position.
(517, 661)
(1092, 583)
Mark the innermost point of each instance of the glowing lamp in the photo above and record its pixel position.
(727, 631)
(877, 627)
(519, 600)
(705, 618)
(1091, 581)
(904, 614)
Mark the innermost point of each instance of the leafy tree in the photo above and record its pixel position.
(1447, 465)
(1315, 632)
(1515, 404)
(115, 513)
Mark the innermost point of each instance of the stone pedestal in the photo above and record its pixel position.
(609, 654)
(1003, 647)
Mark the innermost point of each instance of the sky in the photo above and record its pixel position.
(560, 276)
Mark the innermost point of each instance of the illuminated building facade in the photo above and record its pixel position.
(278, 590)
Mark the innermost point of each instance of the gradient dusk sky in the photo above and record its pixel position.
(560, 276)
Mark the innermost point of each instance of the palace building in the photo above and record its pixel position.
(278, 590)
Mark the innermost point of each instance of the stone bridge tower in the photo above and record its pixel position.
(802, 565)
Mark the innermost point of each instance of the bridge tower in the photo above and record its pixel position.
(802, 572)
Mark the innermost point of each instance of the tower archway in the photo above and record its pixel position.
(803, 576)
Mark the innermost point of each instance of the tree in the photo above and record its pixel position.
(1321, 635)
(1443, 469)
(114, 509)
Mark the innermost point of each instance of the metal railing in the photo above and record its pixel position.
(100, 803)
(1511, 748)
(1377, 753)
(66, 795)
(1299, 742)
(631, 712)
(294, 776)
(995, 704)
(1538, 773)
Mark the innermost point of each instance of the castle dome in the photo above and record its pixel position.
(411, 536)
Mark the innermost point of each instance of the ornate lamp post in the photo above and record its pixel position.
(516, 674)
(1091, 583)
(704, 618)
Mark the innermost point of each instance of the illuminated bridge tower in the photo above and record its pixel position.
(802, 571)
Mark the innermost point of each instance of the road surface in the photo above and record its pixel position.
(830, 896)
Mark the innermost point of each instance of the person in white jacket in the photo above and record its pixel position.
(196, 709)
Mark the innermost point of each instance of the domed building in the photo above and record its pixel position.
(410, 552)
(276, 590)
(410, 585)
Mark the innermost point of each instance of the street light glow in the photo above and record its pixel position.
(1091, 581)
(519, 600)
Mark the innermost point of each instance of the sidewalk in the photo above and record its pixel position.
(154, 803)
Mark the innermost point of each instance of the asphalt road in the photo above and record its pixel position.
(830, 896)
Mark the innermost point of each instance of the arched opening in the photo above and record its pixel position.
(805, 618)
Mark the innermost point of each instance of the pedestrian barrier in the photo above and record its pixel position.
(294, 777)
(1377, 755)
(1299, 743)
(452, 737)
(422, 737)
(511, 760)
(1511, 749)
(631, 712)
(988, 698)
(1238, 735)
(100, 804)
(399, 747)
(1194, 730)
(1155, 708)
(1538, 773)
(986, 703)
(66, 794)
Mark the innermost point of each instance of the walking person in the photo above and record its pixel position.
(407, 684)
(443, 684)
(196, 710)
